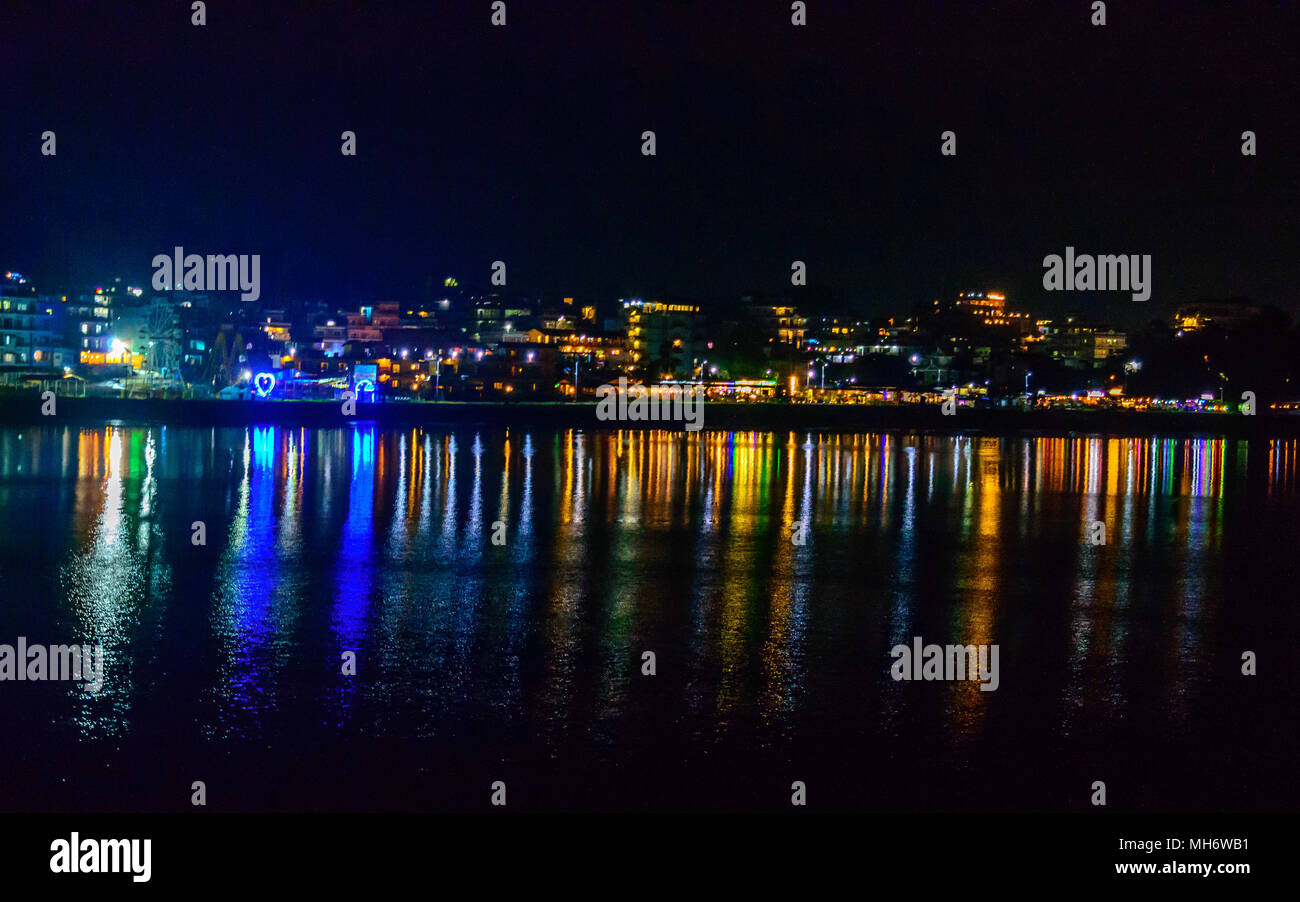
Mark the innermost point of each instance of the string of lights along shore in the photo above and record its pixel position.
(746, 405)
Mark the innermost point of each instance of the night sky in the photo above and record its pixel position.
(775, 143)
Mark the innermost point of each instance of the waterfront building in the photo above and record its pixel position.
(31, 336)
(664, 336)
(28, 336)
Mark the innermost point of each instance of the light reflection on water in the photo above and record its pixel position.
(380, 542)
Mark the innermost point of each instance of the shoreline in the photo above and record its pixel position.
(718, 416)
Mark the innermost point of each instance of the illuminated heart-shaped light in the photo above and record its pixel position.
(264, 383)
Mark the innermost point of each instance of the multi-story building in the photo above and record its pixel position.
(1080, 344)
(495, 315)
(87, 324)
(595, 353)
(384, 315)
(362, 329)
(31, 334)
(28, 336)
(329, 337)
(895, 337)
(405, 373)
(1108, 343)
(530, 368)
(840, 337)
(780, 322)
(198, 331)
(277, 327)
(560, 322)
(664, 336)
(980, 312)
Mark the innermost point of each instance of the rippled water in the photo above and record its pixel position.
(522, 661)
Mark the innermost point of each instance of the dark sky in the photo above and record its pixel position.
(775, 143)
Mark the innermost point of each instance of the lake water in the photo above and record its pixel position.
(521, 660)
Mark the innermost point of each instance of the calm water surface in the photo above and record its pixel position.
(522, 662)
